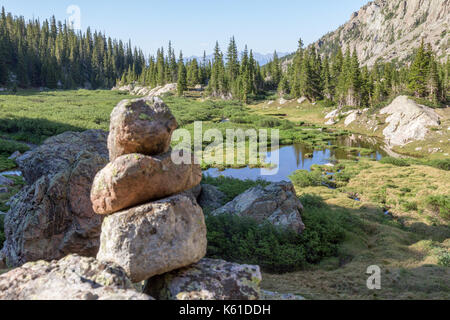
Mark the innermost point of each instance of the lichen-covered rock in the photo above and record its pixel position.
(53, 217)
(59, 152)
(211, 197)
(207, 280)
(155, 238)
(276, 203)
(135, 179)
(142, 126)
(71, 278)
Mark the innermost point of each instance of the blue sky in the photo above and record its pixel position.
(195, 25)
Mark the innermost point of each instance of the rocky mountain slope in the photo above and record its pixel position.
(392, 29)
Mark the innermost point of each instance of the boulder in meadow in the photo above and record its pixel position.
(276, 203)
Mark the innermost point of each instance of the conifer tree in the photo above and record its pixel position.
(417, 80)
(182, 82)
(276, 71)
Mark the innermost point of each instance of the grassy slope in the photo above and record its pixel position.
(34, 116)
(407, 246)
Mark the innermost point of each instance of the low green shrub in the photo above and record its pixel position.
(439, 205)
(410, 206)
(275, 249)
(395, 161)
(6, 164)
(443, 164)
(444, 258)
(8, 147)
(312, 201)
(303, 178)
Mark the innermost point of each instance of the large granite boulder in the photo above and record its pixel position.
(155, 238)
(408, 121)
(207, 280)
(59, 152)
(211, 198)
(53, 217)
(142, 126)
(71, 278)
(276, 203)
(135, 179)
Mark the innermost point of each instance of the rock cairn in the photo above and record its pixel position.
(151, 227)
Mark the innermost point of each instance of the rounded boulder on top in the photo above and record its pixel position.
(143, 126)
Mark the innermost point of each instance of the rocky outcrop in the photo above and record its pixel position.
(137, 90)
(135, 179)
(211, 197)
(59, 152)
(351, 117)
(53, 216)
(408, 121)
(276, 203)
(392, 30)
(208, 280)
(155, 238)
(72, 278)
(142, 126)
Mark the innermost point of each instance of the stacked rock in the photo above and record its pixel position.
(151, 227)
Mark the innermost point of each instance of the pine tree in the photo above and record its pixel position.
(283, 87)
(232, 65)
(276, 71)
(193, 73)
(297, 70)
(217, 84)
(182, 82)
(433, 83)
(417, 80)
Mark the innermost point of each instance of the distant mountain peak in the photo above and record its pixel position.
(262, 59)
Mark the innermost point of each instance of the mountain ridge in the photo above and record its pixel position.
(391, 30)
(262, 59)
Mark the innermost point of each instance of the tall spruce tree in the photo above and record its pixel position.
(182, 81)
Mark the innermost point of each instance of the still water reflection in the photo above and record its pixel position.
(302, 157)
